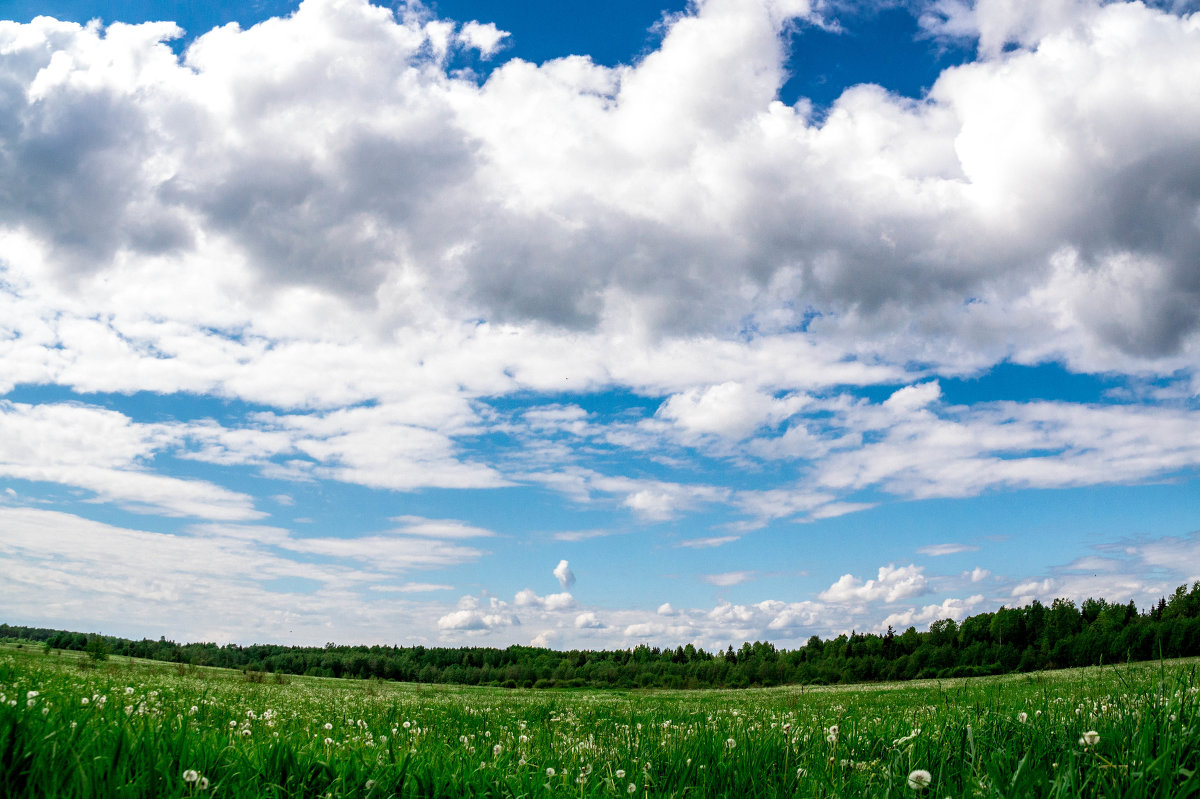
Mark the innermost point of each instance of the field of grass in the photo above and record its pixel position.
(141, 729)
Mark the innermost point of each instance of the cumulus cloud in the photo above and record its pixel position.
(728, 410)
(484, 37)
(979, 574)
(892, 584)
(589, 621)
(471, 616)
(527, 598)
(956, 609)
(124, 154)
(564, 575)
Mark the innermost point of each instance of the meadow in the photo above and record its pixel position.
(127, 728)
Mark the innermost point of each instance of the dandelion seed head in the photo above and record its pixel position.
(919, 779)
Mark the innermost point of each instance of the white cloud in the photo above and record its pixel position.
(527, 598)
(471, 616)
(484, 37)
(709, 542)
(394, 553)
(1032, 589)
(413, 588)
(922, 204)
(564, 575)
(938, 550)
(913, 398)
(589, 621)
(956, 609)
(438, 528)
(893, 584)
(729, 410)
(726, 579)
(106, 453)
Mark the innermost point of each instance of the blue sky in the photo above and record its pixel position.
(591, 325)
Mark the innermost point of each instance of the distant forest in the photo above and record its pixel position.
(1029, 638)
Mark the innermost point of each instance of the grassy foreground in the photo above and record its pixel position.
(141, 729)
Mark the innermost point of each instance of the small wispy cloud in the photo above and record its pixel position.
(937, 550)
(438, 528)
(585, 535)
(412, 588)
(707, 543)
(726, 579)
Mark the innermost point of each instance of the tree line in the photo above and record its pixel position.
(1029, 638)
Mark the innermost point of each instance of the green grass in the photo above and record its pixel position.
(135, 728)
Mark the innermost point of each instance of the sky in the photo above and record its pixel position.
(592, 325)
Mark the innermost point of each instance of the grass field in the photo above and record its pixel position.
(140, 729)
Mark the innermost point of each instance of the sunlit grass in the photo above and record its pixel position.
(144, 729)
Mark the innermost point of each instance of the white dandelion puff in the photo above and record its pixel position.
(919, 779)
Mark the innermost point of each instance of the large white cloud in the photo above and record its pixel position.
(681, 195)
